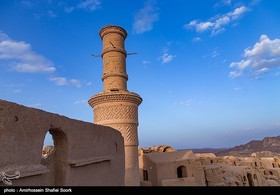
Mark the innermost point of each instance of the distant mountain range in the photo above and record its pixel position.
(268, 146)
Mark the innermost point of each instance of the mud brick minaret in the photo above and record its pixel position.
(115, 106)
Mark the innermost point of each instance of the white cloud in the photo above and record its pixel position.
(51, 14)
(61, 81)
(89, 83)
(223, 3)
(265, 47)
(234, 74)
(21, 58)
(237, 12)
(26, 4)
(13, 88)
(196, 39)
(215, 53)
(216, 24)
(241, 65)
(264, 56)
(75, 82)
(81, 102)
(255, 2)
(261, 71)
(91, 5)
(47, 7)
(36, 105)
(145, 18)
(185, 103)
(166, 58)
(146, 62)
(68, 9)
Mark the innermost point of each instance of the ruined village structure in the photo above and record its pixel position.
(164, 166)
(107, 152)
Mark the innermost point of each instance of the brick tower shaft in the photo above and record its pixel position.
(115, 106)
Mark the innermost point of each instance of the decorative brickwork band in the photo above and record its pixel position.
(114, 75)
(116, 49)
(115, 97)
(116, 112)
(129, 132)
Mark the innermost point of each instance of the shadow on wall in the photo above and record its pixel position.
(54, 157)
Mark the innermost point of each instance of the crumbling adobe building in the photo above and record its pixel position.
(184, 168)
(84, 154)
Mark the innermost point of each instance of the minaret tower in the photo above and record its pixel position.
(115, 106)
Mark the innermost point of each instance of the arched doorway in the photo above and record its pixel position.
(56, 160)
(182, 171)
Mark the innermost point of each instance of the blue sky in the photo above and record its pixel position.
(208, 70)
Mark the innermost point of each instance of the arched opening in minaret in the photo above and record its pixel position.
(114, 89)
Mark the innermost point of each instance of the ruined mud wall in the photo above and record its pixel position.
(84, 154)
